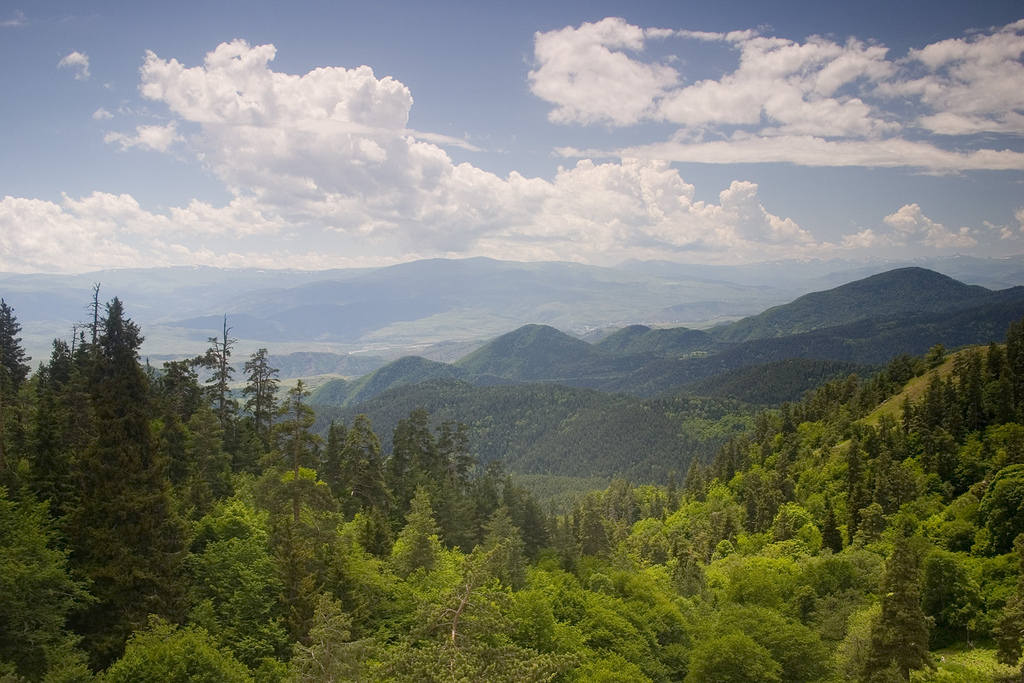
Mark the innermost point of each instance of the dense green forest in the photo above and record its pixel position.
(157, 526)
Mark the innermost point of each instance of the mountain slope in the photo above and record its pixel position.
(404, 371)
(532, 352)
(904, 290)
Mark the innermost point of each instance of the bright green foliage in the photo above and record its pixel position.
(1002, 508)
(236, 583)
(412, 565)
(165, 653)
(733, 658)
(951, 597)
(797, 649)
(417, 546)
(36, 593)
(1009, 632)
(330, 654)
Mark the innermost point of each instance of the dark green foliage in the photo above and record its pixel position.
(903, 290)
(13, 371)
(900, 637)
(405, 560)
(1002, 508)
(124, 532)
(261, 393)
(402, 372)
(775, 382)
(539, 428)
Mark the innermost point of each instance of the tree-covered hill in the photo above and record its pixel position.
(402, 372)
(560, 430)
(901, 291)
(154, 528)
(530, 353)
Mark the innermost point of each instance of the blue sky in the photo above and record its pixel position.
(316, 135)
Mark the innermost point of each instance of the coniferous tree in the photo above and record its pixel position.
(417, 545)
(830, 536)
(125, 535)
(856, 490)
(1009, 631)
(900, 637)
(363, 469)
(261, 390)
(295, 441)
(218, 360)
(13, 371)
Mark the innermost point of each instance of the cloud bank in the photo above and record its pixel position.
(324, 172)
(817, 103)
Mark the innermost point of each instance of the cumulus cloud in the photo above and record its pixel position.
(321, 166)
(818, 101)
(972, 85)
(586, 74)
(910, 223)
(77, 61)
(105, 230)
(158, 138)
(330, 149)
(101, 114)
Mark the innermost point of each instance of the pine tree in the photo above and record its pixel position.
(261, 390)
(218, 360)
(124, 533)
(295, 441)
(900, 637)
(363, 468)
(417, 545)
(1009, 631)
(856, 490)
(830, 536)
(13, 371)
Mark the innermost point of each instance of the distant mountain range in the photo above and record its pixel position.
(864, 323)
(641, 401)
(439, 309)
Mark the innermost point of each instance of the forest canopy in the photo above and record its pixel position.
(188, 523)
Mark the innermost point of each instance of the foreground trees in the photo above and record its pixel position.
(147, 535)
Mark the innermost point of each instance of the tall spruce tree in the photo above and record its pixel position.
(261, 390)
(900, 637)
(13, 371)
(124, 533)
(218, 360)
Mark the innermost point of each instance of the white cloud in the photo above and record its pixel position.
(909, 224)
(324, 173)
(101, 114)
(78, 61)
(808, 150)
(587, 75)
(973, 84)
(819, 101)
(157, 138)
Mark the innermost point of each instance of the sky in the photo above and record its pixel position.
(316, 135)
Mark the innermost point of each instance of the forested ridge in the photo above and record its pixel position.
(156, 526)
